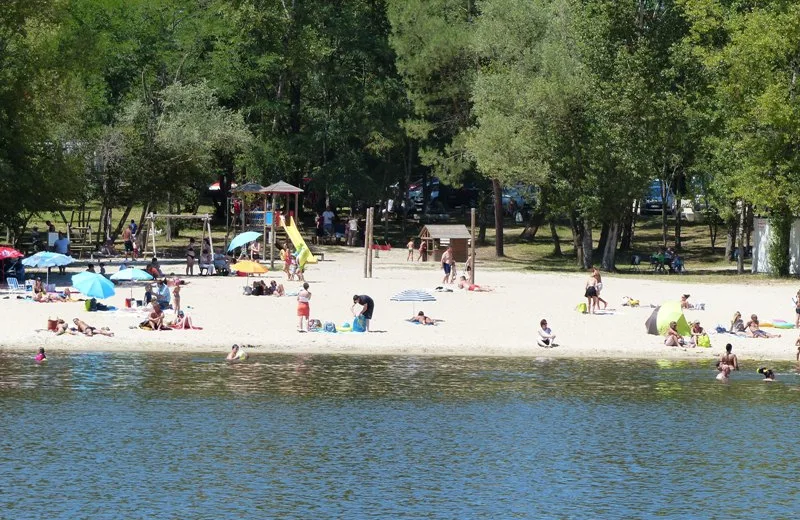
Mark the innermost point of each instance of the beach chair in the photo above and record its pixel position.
(13, 285)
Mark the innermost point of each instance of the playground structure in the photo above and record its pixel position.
(267, 198)
(150, 223)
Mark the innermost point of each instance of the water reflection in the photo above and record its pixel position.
(190, 436)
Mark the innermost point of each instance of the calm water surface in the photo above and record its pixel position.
(318, 437)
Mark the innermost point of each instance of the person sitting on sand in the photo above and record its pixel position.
(685, 302)
(88, 330)
(155, 320)
(696, 332)
(424, 320)
(154, 268)
(753, 330)
(737, 324)
(672, 337)
(464, 284)
(41, 356)
(768, 373)
(275, 289)
(546, 337)
(182, 321)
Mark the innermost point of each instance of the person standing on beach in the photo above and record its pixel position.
(367, 308)
(591, 294)
(797, 310)
(190, 254)
(423, 252)
(410, 246)
(447, 264)
(598, 286)
(303, 309)
(127, 239)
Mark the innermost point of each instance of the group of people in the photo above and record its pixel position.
(751, 329)
(325, 227)
(79, 327)
(262, 288)
(698, 337)
(291, 264)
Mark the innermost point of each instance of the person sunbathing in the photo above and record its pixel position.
(155, 320)
(753, 330)
(183, 321)
(464, 284)
(685, 302)
(424, 320)
(88, 330)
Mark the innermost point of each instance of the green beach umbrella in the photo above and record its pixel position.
(658, 322)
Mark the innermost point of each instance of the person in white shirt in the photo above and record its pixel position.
(352, 230)
(546, 337)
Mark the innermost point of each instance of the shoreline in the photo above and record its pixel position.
(501, 323)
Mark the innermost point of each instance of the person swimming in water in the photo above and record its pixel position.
(768, 373)
(41, 356)
(236, 354)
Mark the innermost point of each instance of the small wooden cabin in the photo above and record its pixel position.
(441, 236)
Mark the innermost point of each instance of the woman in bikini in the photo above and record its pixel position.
(737, 323)
(88, 330)
(424, 320)
(672, 337)
(303, 308)
(464, 284)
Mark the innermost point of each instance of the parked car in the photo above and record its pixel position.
(653, 201)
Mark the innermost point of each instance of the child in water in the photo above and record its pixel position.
(41, 356)
(768, 373)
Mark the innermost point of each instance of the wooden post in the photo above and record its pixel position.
(271, 237)
(472, 247)
(366, 243)
(207, 223)
(264, 231)
(153, 231)
(371, 240)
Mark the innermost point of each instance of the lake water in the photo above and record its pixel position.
(319, 437)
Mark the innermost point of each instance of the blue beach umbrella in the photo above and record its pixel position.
(414, 296)
(242, 239)
(47, 259)
(93, 285)
(131, 274)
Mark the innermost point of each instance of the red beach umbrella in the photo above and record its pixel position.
(5, 254)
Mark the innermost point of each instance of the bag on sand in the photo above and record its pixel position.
(330, 326)
(704, 341)
(581, 307)
(314, 325)
(359, 324)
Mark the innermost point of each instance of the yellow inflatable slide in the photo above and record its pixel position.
(302, 252)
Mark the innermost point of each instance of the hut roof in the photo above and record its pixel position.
(281, 187)
(445, 231)
(250, 187)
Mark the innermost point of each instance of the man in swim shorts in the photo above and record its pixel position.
(447, 266)
(368, 306)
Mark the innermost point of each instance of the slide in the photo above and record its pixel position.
(302, 252)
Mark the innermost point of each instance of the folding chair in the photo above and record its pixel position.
(13, 285)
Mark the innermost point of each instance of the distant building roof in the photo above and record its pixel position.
(281, 187)
(445, 231)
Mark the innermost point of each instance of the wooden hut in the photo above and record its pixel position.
(441, 236)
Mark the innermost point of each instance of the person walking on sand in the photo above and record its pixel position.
(367, 308)
(410, 246)
(447, 264)
(127, 239)
(590, 294)
(598, 286)
(303, 309)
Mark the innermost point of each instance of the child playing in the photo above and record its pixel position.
(41, 356)
(410, 246)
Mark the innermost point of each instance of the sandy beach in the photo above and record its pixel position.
(499, 323)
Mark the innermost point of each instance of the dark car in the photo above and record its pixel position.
(653, 202)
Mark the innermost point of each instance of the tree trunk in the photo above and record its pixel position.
(497, 190)
(678, 221)
(730, 238)
(577, 238)
(740, 255)
(588, 246)
(610, 250)
(122, 221)
(556, 239)
(627, 227)
(713, 230)
(601, 244)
